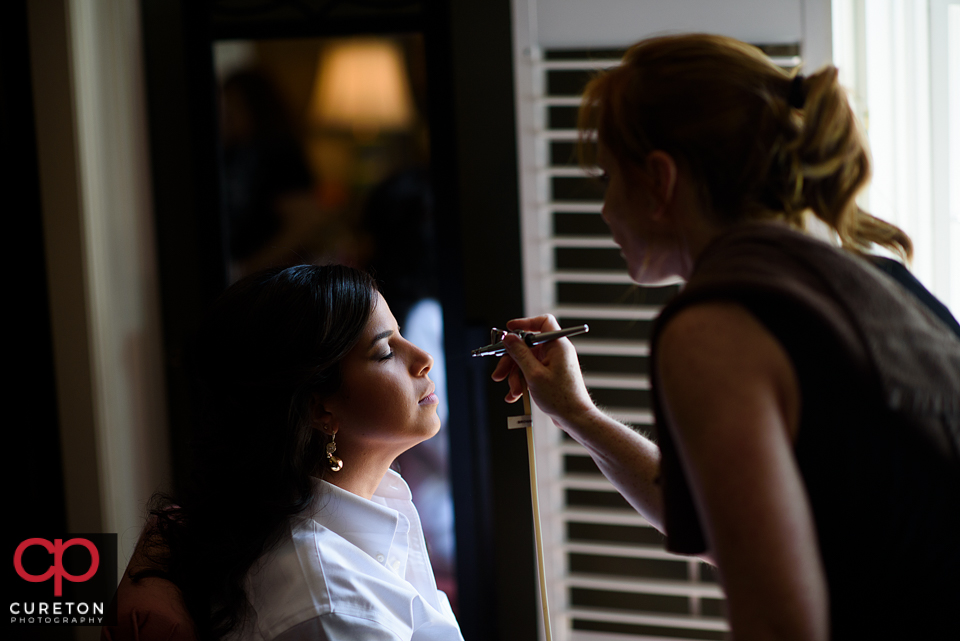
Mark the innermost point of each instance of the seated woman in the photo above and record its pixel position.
(293, 525)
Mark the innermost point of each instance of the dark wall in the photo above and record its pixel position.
(32, 448)
(181, 112)
(32, 422)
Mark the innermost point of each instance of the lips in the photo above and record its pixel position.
(430, 398)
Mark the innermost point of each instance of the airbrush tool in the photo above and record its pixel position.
(496, 347)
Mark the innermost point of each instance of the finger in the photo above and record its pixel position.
(543, 323)
(521, 354)
(517, 386)
(503, 369)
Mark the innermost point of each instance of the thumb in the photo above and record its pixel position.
(520, 353)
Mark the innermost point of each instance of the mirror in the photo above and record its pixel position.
(324, 158)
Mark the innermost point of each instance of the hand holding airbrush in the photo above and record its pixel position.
(496, 347)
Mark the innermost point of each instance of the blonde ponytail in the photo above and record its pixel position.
(835, 166)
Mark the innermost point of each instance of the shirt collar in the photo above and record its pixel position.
(369, 524)
(392, 486)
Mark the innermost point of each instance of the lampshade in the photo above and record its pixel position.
(361, 85)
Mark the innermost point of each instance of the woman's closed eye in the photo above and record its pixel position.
(385, 357)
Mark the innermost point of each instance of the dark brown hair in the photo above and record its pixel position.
(268, 346)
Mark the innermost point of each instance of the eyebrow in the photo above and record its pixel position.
(379, 337)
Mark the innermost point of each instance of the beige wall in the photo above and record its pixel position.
(98, 231)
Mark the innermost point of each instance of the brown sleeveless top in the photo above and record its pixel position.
(879, 440)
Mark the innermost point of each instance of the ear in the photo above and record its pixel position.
(662, 171)
(321, 419)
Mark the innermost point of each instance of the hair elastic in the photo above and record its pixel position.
(796, 97)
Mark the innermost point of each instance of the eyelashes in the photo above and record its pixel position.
(390, 354)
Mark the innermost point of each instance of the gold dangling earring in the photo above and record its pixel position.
(333, 462)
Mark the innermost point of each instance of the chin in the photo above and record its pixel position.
(650, 278)
(429, 430)
(655, 272)
(661, 281)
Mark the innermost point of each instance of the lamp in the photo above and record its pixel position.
(361, 85)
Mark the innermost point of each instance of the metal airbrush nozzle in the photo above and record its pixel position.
(496, 347)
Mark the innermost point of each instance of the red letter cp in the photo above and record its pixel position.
(56, 570)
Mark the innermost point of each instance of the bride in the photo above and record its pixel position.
(293, 525)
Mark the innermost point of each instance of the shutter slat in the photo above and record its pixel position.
(609, 381)
(586, 482)
(587, 206)
(548, 65)
(628, 415)
(604, 515)
(584, 241)
(620, 549)
(615, 312)
(693, 623)
(646, 586)
(588, 276)
(611, 347)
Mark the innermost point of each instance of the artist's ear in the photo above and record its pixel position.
(321, 418)
(661, 168)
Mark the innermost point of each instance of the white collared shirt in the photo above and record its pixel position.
(350, 568)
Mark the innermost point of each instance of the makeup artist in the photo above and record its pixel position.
(807, 406)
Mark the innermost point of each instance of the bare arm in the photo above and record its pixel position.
(630, 461)
(733, 399)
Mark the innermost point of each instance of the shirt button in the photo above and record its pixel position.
(381, 558)
(396, 566)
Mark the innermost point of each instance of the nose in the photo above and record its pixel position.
(421, 362)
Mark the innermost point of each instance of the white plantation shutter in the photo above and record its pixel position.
(900, 63)
(607, 572)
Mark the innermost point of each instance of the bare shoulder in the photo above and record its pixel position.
(711, 325)
(719, 354)
(732, 399)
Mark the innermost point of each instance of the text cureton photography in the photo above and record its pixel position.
(63, 579)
